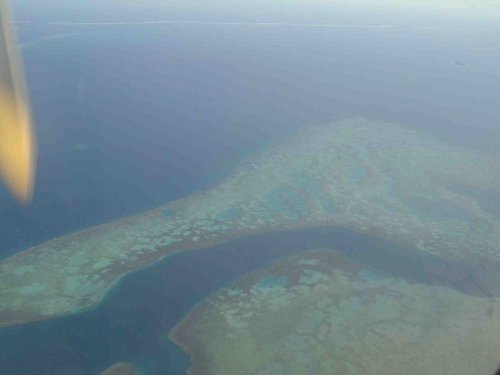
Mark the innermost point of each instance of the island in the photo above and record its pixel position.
(120, 369)
(317, 313)
(373, 177)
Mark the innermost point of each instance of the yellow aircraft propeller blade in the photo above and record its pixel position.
(17, 142)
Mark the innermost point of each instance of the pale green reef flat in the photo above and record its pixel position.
(336, 317)
(368, 176)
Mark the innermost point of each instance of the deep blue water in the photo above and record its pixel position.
(132, 322)
(131, 117)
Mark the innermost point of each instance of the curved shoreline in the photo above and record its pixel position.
(368, 176)
(194, 358)
(227, 333)
(121, 369)
(195, 269)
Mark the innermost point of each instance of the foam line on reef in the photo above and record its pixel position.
(276, 24)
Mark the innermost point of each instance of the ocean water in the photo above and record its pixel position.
(132, 322)
(133, 116)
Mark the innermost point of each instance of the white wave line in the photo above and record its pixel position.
(218, 23)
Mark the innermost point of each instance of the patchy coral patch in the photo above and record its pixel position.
(368, 176)
(332, 316)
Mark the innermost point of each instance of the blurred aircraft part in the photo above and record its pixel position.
(17, 141)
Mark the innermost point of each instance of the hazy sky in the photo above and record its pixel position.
(431, 4)
(171, 8)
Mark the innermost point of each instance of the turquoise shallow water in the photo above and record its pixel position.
(271, 281)
(132, 322)
(134, 117)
